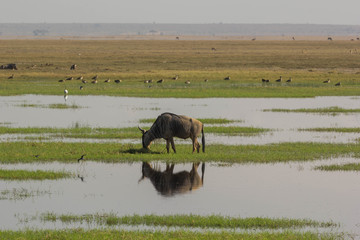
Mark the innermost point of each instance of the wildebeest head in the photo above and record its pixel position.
(145, 138)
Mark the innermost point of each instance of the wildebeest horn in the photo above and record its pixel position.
(142, 130)
(142, 178)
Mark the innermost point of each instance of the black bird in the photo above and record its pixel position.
(338, 84)
(227, 78)
(279, 80)
(289, 80)
(81, 87)
(81, 158)
(327, 81)
(37, 155)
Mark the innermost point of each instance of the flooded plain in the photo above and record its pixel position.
(105, 111)
(291, 190)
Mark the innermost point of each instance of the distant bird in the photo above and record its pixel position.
(150, 81)
(61, 80)
(253, 39)
(289, 80)
(176, 77)
(187, 82)
(160, 81)
(293, 38)
(338, 84)
(227, 78)
(279, 80)
(80, 78)
(37, 155)
(70, 78)
(94, 81)
(330, 38)
(118, 81)
(327, 81)
(11, 77)
(81, 87)
(177, 38)
(81, 158)
(66, 92)
(206, 80)
(107, 80)
(265, 80)
(84, 81)
(213, 49)
(94, 77)
(73, 67)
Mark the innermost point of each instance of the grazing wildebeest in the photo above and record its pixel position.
(168, 183)
(11, 66)
(169, 125)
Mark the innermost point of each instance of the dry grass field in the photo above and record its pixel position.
(42, 63)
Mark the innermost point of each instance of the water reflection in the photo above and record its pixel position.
(168, 183)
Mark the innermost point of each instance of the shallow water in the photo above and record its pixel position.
(292, 190)
(104, 111)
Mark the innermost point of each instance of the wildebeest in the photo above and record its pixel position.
(11, 66)
(168, 183)
(170, 125)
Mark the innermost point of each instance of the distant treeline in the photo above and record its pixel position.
(218, 29)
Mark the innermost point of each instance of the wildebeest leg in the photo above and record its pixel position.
(202, 172)
(173, 144)
(167, 145)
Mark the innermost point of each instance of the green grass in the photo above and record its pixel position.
(342, 130)
(15, 152)
(16, 194)
(340, 167)
(32, 175)
(195, 221)
(103, 234)
(121, 133)
(309, 63)
(328, 110)
(53, 106)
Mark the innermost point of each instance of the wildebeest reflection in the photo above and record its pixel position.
(168, 183)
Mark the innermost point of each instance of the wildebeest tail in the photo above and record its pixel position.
(203, 138)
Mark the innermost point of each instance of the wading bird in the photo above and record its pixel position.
(327, 81)
(279, 80)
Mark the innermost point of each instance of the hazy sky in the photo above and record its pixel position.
(185, 11)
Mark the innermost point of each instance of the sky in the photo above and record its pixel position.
(185, 11)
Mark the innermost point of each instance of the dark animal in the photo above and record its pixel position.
(227, 78)
(330, 38)
(73, 67)
(11, 66)
(168, 183)
(81, 158)
(279, 80)
(169, 125)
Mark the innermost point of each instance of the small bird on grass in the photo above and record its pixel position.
(338, 84)
(81, 158)
(327, 81)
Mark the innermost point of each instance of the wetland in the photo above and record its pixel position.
(281, 158)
